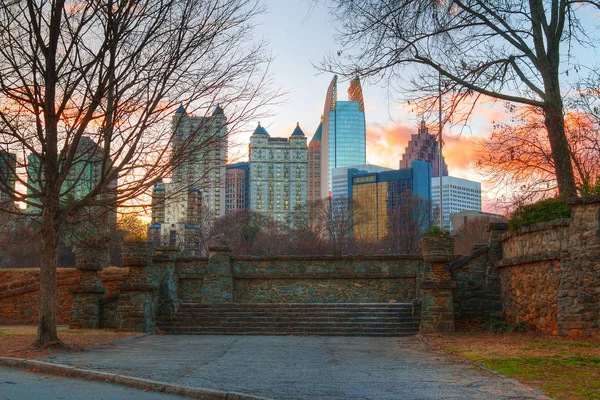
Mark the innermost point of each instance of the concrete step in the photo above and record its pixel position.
(350, 319)
(277, 333)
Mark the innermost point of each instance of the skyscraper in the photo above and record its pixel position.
(278, 173)
(344, 137)
(459, 195)
(340, 181)
(378, 195)
(203, 166)
(196, 193)
(314, 165)
(8, 165)
(424, 147)
(237, 188)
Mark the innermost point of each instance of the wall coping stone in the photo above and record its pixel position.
(432, 285)
(530, 258)
(319, 276)
(93, 289)
(497, 226)
(537, 227)
(574, 201)
(109, 298)
(465, 259)
(327, 257)
(35, 287)
(137, 287)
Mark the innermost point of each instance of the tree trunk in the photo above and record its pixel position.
(554, 120)
(46, 334)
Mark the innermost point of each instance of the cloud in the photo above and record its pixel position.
(386, 143)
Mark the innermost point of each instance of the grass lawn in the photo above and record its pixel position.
(16, 341)
(562, 368)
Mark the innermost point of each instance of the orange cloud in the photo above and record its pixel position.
(385, 144)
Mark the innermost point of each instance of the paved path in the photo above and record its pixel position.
(21, 385)
(284, 367)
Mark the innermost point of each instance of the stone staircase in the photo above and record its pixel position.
(350, 319)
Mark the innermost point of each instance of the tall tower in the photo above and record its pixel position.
(344, 134)
(314, 164)
(200, 145)
(278, 173)
(424, 147)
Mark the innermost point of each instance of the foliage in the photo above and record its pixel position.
(435, 230)
(498, 326)
(545, 210)
(132, 228)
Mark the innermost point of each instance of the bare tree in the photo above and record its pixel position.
(473, 232)
(113, 71)
(406, 224)
(518, 157)
(504, 50)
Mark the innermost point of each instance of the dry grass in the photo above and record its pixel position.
(16, 342)
(563, 368)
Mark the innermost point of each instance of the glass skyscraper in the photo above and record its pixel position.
(344, 135)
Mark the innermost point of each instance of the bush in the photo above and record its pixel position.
(545, 210)
(497, 326)
(435, 231)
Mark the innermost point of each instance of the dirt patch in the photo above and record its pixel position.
(564, 368)
(16, 342)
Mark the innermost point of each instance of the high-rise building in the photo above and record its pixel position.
(340, 181)
(8, 165)
(176, 216)
(379, 195)
(84, 175)
(314, 164)
(237, 188)
(459, 195)
(196, 193)
(424, 147)
(344, 135)
(278, 173)
(200, 148)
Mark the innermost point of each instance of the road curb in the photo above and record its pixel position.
(129, 381)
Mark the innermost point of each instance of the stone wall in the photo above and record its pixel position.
(19, 293)
(530, 273)
(296, 279)
(469, 272)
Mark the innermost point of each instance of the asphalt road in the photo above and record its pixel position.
(21, 385)
(293, 367)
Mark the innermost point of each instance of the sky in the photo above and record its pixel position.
(299, 37)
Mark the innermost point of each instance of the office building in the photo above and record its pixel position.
(340, 181)
(8, 167)
(458, 195)
(424, 147)
(344, 137)
(314, 164)
(278, 173)
(196, 193)
(200, 155)
(380, 196)
(176, 217)
(237, 187)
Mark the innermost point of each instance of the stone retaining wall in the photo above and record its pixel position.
(323, 279)
(19, 293)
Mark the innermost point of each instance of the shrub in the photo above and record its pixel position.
(435, 231)
(497, 326)
(545, 210)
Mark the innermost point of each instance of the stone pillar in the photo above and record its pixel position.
(492, 305)
(85, 312)
(437, 302)
(165, 264)
(137, 306)
(579, 285)
(217, 286)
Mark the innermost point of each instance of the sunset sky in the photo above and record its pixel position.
(299, 37)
